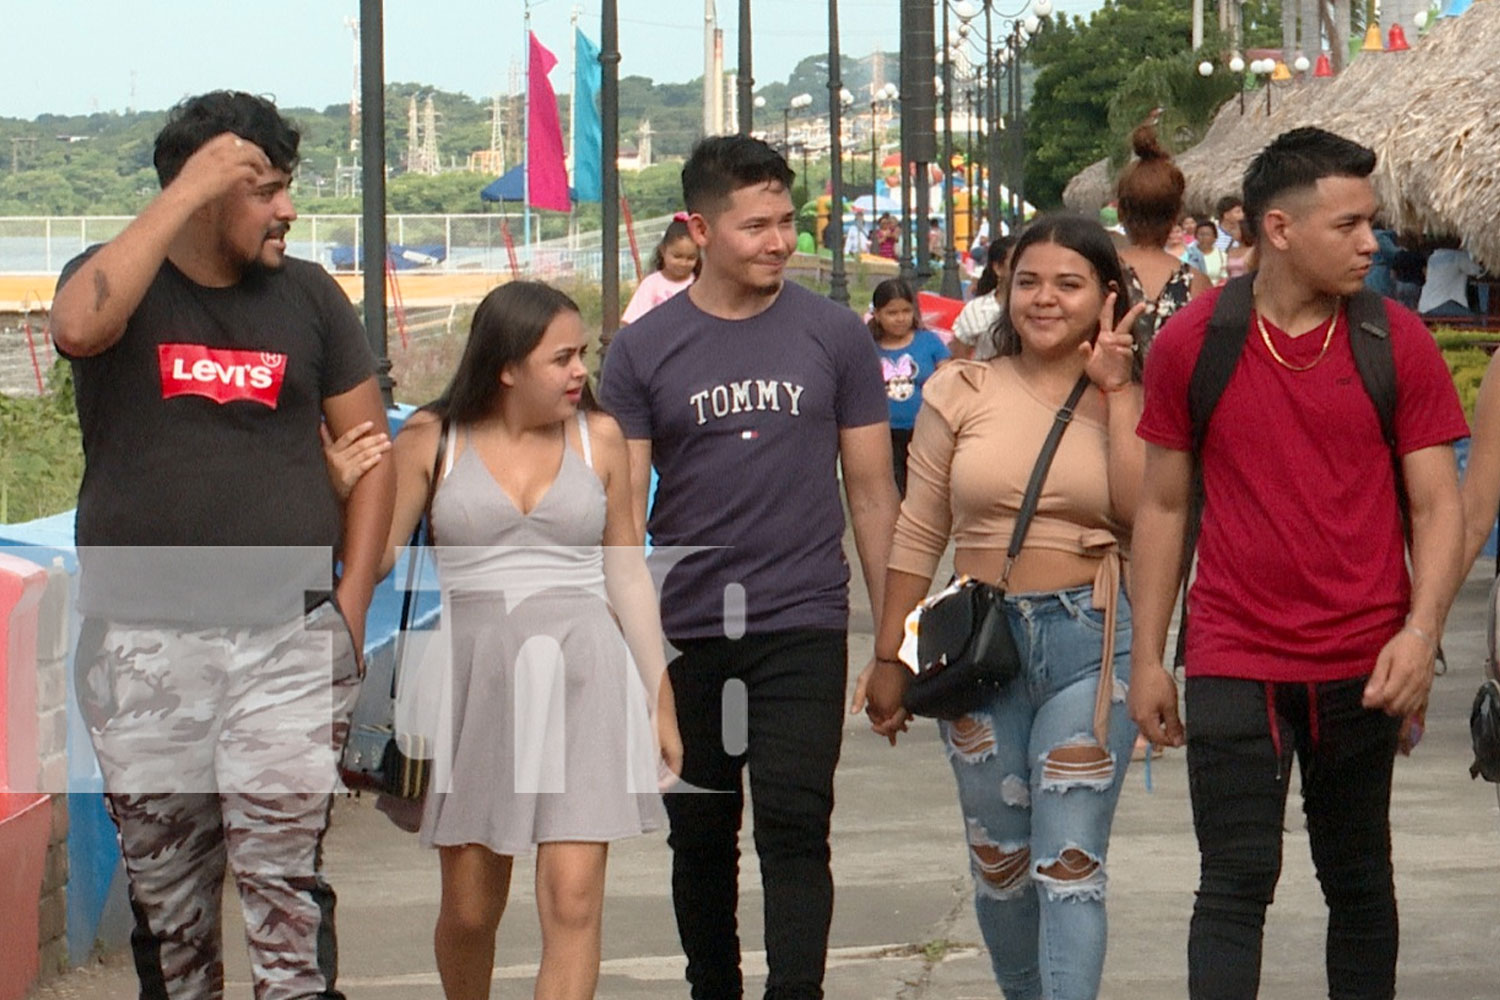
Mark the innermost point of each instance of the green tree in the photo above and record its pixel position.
(1129, 57)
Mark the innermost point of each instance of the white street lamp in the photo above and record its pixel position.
(1205, 68)
(1042, 7)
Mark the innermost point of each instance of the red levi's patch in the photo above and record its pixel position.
(223, 376)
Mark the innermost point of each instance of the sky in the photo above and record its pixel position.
(81, 56)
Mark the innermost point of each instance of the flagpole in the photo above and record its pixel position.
(573, 129)
(526, 141)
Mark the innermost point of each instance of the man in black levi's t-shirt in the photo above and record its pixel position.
(749, 393)
(217, 691)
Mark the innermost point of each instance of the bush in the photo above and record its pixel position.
(41, 451)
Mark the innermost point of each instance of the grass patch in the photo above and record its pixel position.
(937, 949)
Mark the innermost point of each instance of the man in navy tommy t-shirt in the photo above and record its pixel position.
(748, 393)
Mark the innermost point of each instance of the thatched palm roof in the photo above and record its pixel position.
(1431, 114)
(1091, 188)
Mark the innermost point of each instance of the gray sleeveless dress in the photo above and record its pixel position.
(550, 737)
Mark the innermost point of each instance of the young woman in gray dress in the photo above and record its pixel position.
(549, 744)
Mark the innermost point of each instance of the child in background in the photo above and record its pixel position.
(908, 357)
(673, 268)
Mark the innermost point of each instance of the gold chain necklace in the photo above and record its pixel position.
(1333, 321)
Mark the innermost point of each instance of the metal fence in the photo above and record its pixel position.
(442, 243)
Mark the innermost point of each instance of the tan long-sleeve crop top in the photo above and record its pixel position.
(976, 441)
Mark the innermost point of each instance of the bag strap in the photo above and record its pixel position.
(1374, 358)
(1217, 359)
(421, 539)
(1033, 495)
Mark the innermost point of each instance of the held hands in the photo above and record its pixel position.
(356, 452)
(1109, 359)
(1152, 702)
(878, 693)
(668, 736)
(219, 166)
(1403, 674)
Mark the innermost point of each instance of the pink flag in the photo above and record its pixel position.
(546, 169)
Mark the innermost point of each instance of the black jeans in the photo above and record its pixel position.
(1238, 772)
(900, 445)
(774, 701)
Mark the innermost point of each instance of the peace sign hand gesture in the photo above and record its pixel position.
(1109, 359)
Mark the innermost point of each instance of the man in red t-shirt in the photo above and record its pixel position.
(1306, 634)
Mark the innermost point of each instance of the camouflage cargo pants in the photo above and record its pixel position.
(218, 749)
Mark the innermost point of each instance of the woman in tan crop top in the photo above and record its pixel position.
(1039, 769)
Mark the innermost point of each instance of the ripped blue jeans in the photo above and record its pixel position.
(1038, 796)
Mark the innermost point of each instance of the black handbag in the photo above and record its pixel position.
(1484, 717)
(966, 652)
(376, 758)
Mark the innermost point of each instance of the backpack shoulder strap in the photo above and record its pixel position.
(1217, 359)
(1370, 343)
(1220, 354)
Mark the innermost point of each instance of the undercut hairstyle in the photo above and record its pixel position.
(1296, 161)
(722, 164)
(196, 120)
(510, 321)
(1089, 240)
(1149, 191)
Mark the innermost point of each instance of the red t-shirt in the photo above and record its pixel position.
(1301, 562)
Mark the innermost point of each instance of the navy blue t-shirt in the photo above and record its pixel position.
(743, 417)
(906, 370)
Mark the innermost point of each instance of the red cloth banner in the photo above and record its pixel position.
(546, 165)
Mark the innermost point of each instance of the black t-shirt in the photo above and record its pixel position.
(204, 474)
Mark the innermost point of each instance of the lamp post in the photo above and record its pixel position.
(372, 184)
(888, 95)
(609, 115)
(745, 83)
(950, 287)
(838, 97)
(1009, 59)
(1264, 68)
(795, 104)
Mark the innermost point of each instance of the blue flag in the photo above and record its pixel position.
(588, 135)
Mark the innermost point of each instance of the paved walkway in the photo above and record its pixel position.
(904, 926)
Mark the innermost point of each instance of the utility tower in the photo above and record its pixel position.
(353, 25)
(430, 158)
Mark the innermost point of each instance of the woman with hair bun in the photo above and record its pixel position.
(1150, 199)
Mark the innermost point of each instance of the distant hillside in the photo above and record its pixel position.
(100, 164)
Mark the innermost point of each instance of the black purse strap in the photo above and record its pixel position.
(421, 537)
(1039, 476)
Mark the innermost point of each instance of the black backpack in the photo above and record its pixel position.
(1369, 341)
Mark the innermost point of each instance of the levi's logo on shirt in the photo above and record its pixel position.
(220, 374)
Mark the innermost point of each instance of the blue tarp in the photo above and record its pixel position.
(511, 186)
(403, 256)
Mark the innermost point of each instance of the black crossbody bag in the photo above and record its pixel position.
(965, 649)
(376, 758)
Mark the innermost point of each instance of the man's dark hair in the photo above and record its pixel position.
(1299, 159)
(722, 164)
(196, 120)
(1228, 203)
